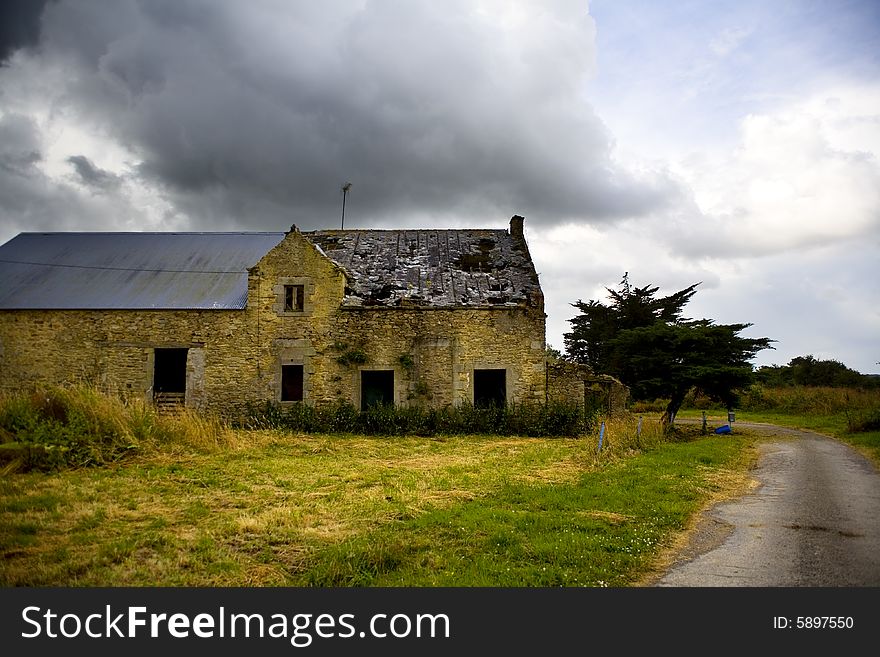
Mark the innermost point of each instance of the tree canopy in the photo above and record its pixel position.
(644, 341)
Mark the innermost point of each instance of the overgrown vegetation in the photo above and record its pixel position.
(793, 400)
(535, 420)
(809, 400)
(81, 426)
(350, 355)
(852, 414)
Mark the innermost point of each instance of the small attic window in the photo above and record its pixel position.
(294, 298)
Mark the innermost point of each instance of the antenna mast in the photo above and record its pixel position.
(345, 188)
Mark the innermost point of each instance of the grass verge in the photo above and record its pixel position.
(278, 509)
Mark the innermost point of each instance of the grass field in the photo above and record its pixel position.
(136, 499)
(266, 509)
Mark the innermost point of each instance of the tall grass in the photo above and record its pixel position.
(80, 426)
(625, 434)
(858, 407)
(809, 400)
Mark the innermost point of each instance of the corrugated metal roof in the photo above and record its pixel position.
(65, 271)
(433, 268)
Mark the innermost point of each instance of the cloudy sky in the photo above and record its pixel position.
(735, 143)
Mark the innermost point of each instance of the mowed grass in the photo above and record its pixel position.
(294, 510)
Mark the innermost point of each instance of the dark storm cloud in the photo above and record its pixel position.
(19, 25)
(93, 176)
(254, 114)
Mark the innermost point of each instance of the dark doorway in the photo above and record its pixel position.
(169, 371)
(291, 383)
(490, 387)
(377, 387)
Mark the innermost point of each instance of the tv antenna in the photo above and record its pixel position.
(345, 189)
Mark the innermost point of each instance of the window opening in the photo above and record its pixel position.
(490, 387)
(294, 297)
(377, 387)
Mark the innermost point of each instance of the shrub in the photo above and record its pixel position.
(863, 421)
(555, 419)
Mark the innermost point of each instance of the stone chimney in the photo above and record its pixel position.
(516, 227)
(517, 234)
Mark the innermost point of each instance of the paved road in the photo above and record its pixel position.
(814, 520)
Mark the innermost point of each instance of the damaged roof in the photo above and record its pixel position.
(208, 271)
(107, 271)
(435, 268)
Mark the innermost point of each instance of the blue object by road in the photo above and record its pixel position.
(724, 429)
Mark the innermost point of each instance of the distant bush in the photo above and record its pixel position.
(810, 371)
(553, 419)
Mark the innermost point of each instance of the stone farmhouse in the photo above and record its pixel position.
(217, 320)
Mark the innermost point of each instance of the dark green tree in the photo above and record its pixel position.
(646, 343)
(629, 308)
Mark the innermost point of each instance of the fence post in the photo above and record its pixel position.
(601, 436)
(704, 422)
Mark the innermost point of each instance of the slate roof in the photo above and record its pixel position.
(208, 271)
(434, 268)
(98, 271)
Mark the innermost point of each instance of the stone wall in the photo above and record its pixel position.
(577, 384)
(434, 352)
(115, 349)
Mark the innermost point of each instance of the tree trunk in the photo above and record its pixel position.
(667, 420)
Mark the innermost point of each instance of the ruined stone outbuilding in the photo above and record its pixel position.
(218, 320)
(576, 383)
